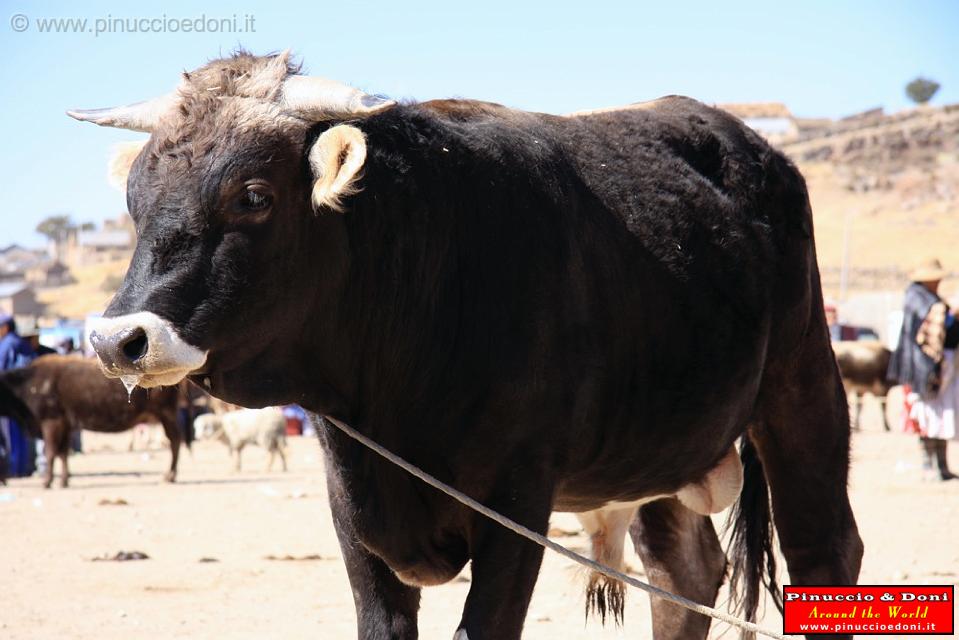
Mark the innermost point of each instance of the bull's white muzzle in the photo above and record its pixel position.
(145, 348)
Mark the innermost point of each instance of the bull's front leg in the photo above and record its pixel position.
(504, 565)
(386, 609)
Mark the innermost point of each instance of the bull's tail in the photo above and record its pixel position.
(751, 548)
(605, 597)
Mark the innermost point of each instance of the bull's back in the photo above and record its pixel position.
(684, 176)
(643, 250)
(715, 213)
(720, 252)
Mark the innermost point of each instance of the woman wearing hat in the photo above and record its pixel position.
(925, 363)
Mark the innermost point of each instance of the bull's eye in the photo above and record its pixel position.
(251, 203)
(256, 199)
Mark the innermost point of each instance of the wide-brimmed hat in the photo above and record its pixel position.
(928, 271)
(29, 332)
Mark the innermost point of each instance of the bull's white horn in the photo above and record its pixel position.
(139, 116)
(319, 96)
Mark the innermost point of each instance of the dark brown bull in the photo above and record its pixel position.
(863, 366)
(549, 313)
(56, 394)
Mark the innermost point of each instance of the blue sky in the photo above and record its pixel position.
(820, 58)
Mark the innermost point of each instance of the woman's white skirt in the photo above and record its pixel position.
(937, 418)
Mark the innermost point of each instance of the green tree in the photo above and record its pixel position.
(55, 228)
(921, 90)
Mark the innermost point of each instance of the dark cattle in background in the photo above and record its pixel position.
(570, 313)
(62, 393)
(863, 365)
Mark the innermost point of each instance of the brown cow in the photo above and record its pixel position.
(863, 365)
(56, 394)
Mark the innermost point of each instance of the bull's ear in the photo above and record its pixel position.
(121, 161)
(337, 158)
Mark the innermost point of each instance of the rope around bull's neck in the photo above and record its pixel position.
(543, 541)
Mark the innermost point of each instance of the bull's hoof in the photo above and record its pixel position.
(169, 476)
(64, 483)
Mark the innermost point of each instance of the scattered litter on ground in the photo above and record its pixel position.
(121, 556)
(117, 502)
(207, 560)
(289, 558)
(558, 532)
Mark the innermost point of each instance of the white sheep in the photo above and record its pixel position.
(236, 429)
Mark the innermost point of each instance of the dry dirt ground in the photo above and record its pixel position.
(273, 568)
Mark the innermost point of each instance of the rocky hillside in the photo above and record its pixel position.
(94, 287)
(885, 192)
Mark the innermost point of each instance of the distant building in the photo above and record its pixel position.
(105, 241)
(50, 274)
(115, 241)
(12, 276)
(16, 260)
(19, 299)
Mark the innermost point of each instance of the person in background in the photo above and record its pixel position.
(832, 319)
(925, 363)
(32, 336)
(15, 352)
(66, 347)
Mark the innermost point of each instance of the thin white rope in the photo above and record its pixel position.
(543, 541)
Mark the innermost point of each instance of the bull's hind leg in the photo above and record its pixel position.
(51, 444)
(172, 431)
(681, 554)
(64, 465)
(802, 438)
(607, 535)
(855, 423)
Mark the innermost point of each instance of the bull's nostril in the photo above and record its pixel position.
(135, 345)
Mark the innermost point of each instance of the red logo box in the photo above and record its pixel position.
(869, 610)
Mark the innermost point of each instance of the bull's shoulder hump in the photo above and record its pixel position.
(464, 110)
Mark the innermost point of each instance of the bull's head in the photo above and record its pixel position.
(229, 253)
